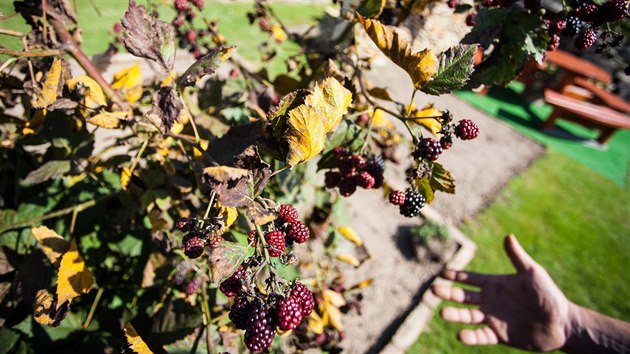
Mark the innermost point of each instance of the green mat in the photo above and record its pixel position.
(611, 161)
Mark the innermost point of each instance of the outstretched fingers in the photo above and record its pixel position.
(519, 257)
(462, 315)
(470, 278)
(479, 336)
(456, 294)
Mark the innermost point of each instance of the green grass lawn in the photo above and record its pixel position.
(571, 220)
(97, 17)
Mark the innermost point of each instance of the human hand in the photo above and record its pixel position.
(525, 310)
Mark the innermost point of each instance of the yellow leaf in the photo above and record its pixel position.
(350, 235)
(333, 297)
(226, 216)
(308, 124)
(125, 178)
(379, 120)
(108, 120)
(278, 33)
(362, 284)
(48, 95)
(333, 99)
(223, 174)
(136, 344)
(73, 278)
(425, 119)
(45, 310)
(348, 259)
(421, 66)
(129, 81)
(93, 96)
(35, 122)
(334, 316)
(51, 243)
(203, 143)
(315, 323)
(169, 79)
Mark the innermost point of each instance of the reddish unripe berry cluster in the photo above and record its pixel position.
(354, 170)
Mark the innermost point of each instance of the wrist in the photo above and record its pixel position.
(573, 327)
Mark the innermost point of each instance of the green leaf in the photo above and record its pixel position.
(441, 179)
(206, 65)
(225, 259)
(47, 171)
(371, 8)
(347, 134)
(424, 188)
(454, 69)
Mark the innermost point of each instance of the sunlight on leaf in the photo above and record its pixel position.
(53, 245)
(45, 310)
(92, 93)
(48, 94)
(135, 342)
(278, 33)
(129, 81)
(206, 65)
(125, 178)
(109, 120)
(421, 66)
(349, 259)
(74, 278)
(350, 235)
(35, 122)
(426, 118)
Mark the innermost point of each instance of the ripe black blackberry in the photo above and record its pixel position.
(185, 224)
(357, 161)
(193, 244)
(298, 232)
(332, 179)
(288, 313)
(414, 201)
(193, 285)
(347, 187)
(466, 129)
(574, 24)
(260, 328)
(375, 166)
(429, 149)
(232, 286)
(304, 297)
(239, 312)
(470, 19)
(397, 197)
(181, 5)
(612, 11)
(276, 242)
(364, 180)
(446, 142)
(585, 39)
(287, 213)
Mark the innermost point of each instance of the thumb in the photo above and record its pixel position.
(520, 259)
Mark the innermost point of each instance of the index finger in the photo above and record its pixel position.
(470, 278)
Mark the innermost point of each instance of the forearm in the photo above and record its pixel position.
(591, 332)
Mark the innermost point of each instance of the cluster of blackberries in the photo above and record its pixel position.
(352, 170)
(186, 33)
(287, 229)
(193, 283)
(196, 238)
(260, 319)
(409, 202)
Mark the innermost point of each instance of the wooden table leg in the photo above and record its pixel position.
(550, 122)
(606, 133)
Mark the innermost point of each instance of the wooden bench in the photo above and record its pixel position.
(601, 96)
(606, 120)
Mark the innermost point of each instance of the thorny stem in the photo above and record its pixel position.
(207, 318)
(100, 292)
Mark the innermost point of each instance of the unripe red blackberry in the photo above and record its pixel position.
(414, 201)
(452, 3)
(181, 5)
(341, 152)
(198, 3)
(554, 42)
(298, 232)
(193, 286)
(429, 148)
(466, 129)
(585, 39)
(332, 179)
(193, 245)
(304, 297)
(446, 142)
(357, 161)
(470, 19)
(586, 13)
(347, 187)
(558, 25)
(276, 242)
(191, 35)
(364, 180)
(232, 286)
(288, 313)
(612, 11)
(118, 27)
(397, 197)
(239, 312)
(251, 237)
(185, 224)
(215, 241)
(287, 213)
(260, 328)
